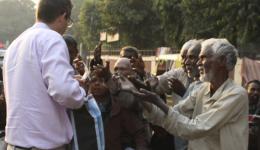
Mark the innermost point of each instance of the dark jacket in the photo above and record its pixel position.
(123, 128)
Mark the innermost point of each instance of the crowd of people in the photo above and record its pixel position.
(50, 100)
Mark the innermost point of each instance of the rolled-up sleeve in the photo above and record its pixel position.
(58, 76)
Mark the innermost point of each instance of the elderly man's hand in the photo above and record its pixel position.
(147, 96)
(176, 86)
(152, 82)
(150, 97)
(120, 83)
(138, 83)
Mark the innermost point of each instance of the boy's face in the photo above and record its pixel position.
(97, 86)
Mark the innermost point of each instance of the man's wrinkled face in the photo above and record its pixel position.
(207, 65)
(183, 54)
(191, 63)
(253, 91)
(123, 67)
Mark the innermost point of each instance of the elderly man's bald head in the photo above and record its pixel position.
(123, 66)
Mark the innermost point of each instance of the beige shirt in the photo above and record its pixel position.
(219, 122)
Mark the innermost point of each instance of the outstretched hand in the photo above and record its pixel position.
(147, 96)
(138, 83)
(103, 71)
(176, 86)
(151, 97)
(152, 82)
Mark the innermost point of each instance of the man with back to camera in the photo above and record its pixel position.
(39, 83)
(219, 108)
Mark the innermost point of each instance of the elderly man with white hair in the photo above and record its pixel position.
(179, 73)
(219, 107)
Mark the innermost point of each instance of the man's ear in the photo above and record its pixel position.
(62, 17)
(222, 60)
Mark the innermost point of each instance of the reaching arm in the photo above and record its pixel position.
(229, 107)
(58, 74)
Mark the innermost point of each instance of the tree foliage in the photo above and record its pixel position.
(75, 29)
(15, 17)
(90, 23)
(236, 20)
(172, 21)
(154, 23)
(136, 21)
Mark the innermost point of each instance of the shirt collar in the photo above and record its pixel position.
(40, 25)
(218, 92)
(207, 92)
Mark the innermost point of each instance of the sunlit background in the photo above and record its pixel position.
(35, 1)
(146, 24)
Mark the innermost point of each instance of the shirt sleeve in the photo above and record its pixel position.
(228, 107)
(163, 86)
(58, 74)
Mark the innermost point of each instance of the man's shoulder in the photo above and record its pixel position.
(235, 92)
(46, 34)
(179, 70)
(233, 87)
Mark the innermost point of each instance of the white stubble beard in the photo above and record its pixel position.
(207, 77)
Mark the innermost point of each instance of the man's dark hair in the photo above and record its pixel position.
(129, 52)
(49, 10)
(252, 81)
(70, 41)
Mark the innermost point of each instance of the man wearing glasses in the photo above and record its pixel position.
(39, 82)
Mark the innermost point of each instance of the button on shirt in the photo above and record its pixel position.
(39, 86)
(219, 122)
